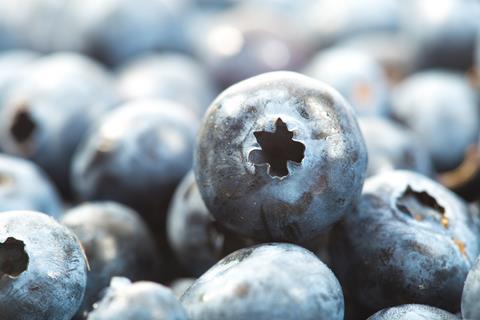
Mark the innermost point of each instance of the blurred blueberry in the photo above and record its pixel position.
(471, 293)
(116, 243)
(441, 109)
(409, 240)
(442, 33)
(196, 239)
(142, 300)
(270, 281)
(412, 312)
(169, 76)
(43, 269)
(181, 285)
(24, 186)
(244, 41)
(391, 146)
(257, 147)
(49, 109)
(118, 30)
(356, 75)
(12, 64)
(330, 21)
(137, 155)
(389, 49)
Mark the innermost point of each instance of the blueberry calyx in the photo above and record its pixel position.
(23, 126)
(13, 257)
(277, 148)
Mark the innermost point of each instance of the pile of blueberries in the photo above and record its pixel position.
(239, 160)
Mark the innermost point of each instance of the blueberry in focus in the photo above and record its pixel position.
(413, 311)
(391, 146)
(136, 155)
(441, 108)
(279, 157)
(195, 237)
(471, 293)
(409, 240)
(43, 270)
(356, 75)
(170, 76)
(47, 112)
(116, 242)
(139, 300)
(270, 281)
(24, 186)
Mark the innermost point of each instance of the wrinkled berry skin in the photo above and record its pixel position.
(116, 242)
(471, 293)
(306, 127)
(270, 281)
(356, 75)
(441, 109)
(391, 146)
(169, 76)
(413, 311)
(48, 111)
(409, 240)
(24, 186)
(195, 237)
(49, 283)
(137, 155)
(141, 300)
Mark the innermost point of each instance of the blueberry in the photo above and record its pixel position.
(331, 21)
(270, 281)
(24, 186)
(170, 76)
(49, 109)
(409, 240)
(391, 146)
(116, 243)
(42, 268)
(441, 108)
(356, 75)
(245, 41)
(471, 293)
(258, 146)
(442, 34)
(180, 286)
(196, 239)
(140, 300)
(413, 311)
(119, 30)
(137, 155)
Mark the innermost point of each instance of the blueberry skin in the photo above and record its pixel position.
(442, 35)
(413, 311)
(196, 239)
(269, 281)
(47, 112)
(269, 192)
(409, 240)
(180, 286)
(471, 293)
(24, 186)
(356, 75)
(440, 107)
(116, 242)
(391, 146)
(136, 155)
(43, 269)
(170, 76)
(141, 300)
